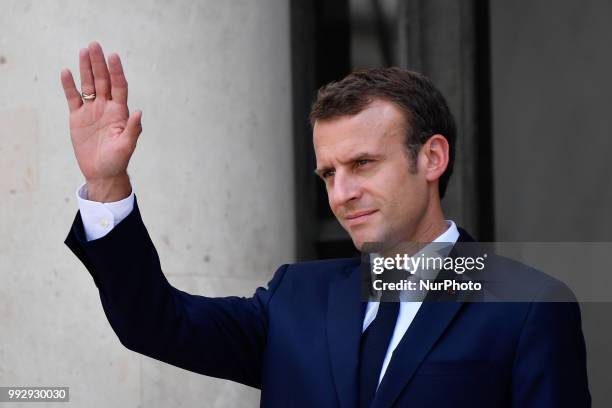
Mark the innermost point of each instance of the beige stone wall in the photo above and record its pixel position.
(212, 173)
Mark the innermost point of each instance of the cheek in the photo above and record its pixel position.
(330, 202)
(404, 194)
(335, 209)
(395, 190)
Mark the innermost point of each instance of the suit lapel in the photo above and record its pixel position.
(432, 319)
(427, 326)
(344, 323)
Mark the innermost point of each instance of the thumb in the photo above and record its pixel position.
(134, 126)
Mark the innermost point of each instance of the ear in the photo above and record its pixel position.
(434, 157)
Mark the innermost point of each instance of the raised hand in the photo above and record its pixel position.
(103, 133)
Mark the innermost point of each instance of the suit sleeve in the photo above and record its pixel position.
(219, 337)
(550, 362)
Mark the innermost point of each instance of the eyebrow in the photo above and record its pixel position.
(359, 156)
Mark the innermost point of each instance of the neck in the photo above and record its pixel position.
(430, 227)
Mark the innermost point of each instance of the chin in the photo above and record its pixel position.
(367, 242)
(374, 243)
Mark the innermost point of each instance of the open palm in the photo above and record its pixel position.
(103, 133)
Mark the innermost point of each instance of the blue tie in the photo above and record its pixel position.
(374, 343)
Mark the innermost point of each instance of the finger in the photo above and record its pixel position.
(119, 86)
(72, 95)
(87, 79)
(100, 71)
(134, 126)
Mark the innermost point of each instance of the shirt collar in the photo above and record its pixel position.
(451, 234)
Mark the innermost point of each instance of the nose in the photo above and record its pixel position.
(345, 188)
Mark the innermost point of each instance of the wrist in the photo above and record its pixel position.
(109, 189)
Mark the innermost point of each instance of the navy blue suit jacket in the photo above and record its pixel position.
(298, 339)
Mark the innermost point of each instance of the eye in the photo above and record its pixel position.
(328, 174)
(362, 162)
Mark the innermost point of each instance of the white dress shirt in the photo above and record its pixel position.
(100, 218)
(408, 310)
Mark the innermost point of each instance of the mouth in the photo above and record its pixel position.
(359, 217)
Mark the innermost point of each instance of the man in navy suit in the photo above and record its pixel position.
(384, 142)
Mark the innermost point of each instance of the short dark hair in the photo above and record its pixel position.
(424, 107)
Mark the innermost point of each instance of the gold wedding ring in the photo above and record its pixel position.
(88, 97)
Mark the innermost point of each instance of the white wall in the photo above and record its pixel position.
(212, 172)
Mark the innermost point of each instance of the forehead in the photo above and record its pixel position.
(382, 123)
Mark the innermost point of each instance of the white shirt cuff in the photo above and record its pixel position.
(100, 218)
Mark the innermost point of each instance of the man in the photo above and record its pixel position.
(384, 142)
